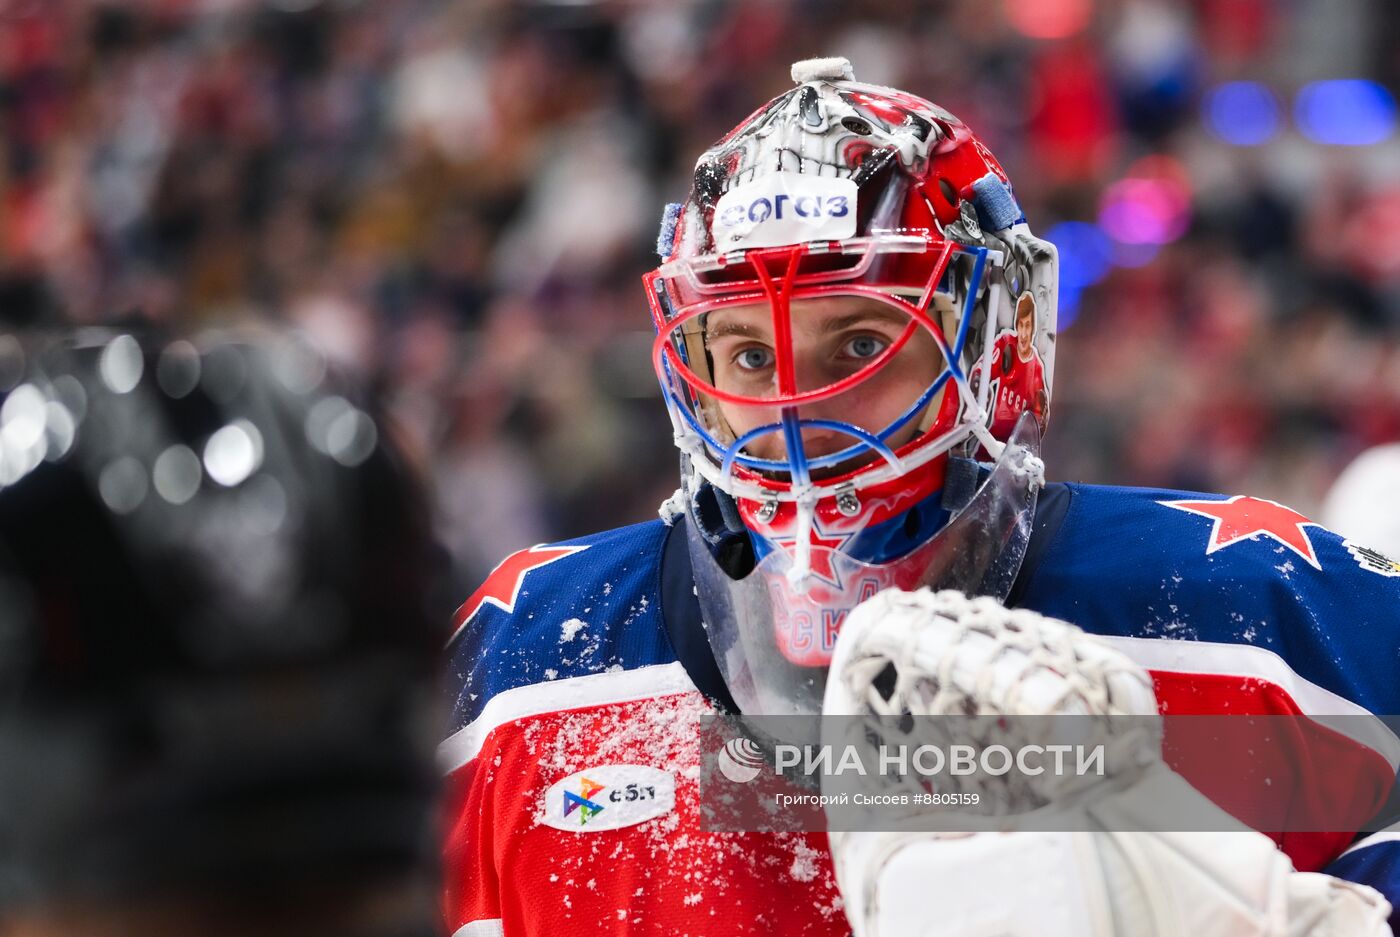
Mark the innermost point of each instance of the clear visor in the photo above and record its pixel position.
(773, 641)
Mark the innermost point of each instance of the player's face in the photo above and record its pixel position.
(832, 338)
(1025, 331)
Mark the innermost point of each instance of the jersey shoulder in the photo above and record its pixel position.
(1117, 526)
(1145, 562)
(561, 610)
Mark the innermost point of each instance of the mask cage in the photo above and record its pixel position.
(773, 642)
(907, 272)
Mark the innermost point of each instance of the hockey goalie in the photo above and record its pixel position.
(855, 339)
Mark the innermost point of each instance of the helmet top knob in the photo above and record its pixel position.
(832, 69)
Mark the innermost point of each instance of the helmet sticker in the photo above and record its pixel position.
(785, 208)
(1017, 373)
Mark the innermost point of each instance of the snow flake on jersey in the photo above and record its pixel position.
(502, 586)
(1122, 563)
(582, 607)
(513, 855)
(1244, 518)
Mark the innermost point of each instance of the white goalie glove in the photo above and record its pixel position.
(927, 654)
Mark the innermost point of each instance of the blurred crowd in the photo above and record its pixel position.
(455, 201)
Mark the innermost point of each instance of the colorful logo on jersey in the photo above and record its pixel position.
(1243, 518)
(582, 803)
(502, 586)
(1372, 560)
(608, 797)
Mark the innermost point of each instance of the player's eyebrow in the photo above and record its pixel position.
(876, 314)
(725, 328)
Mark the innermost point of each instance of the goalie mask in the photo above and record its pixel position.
(849, 307)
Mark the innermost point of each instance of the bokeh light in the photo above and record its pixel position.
(1086, 255)
(233, 453)
(1345, 112)
(1150, 205)
(1243, 113)
(1049, 19)
(1134, 256)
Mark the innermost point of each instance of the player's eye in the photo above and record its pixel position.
(754, 358)
(864, 346)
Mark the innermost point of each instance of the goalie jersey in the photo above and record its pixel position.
(579, 670)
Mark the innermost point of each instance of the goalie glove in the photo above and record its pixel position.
(926, 654)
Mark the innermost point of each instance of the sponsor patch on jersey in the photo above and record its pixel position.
(785, 208)
(1372, 560)
(609, 797)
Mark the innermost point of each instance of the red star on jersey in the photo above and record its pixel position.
(502, 587)
(821, 558)
(1243, 518)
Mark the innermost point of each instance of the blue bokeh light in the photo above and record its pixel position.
(1086, 255)
(1134, 256)
(1244, 113)
(1350, 112)
(1068, 309)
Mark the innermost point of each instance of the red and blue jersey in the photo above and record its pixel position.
(580, 673)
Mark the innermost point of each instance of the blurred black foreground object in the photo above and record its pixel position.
(216, 646)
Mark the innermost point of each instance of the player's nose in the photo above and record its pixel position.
(820, 442)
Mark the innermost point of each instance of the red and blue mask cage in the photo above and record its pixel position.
(682, 291)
